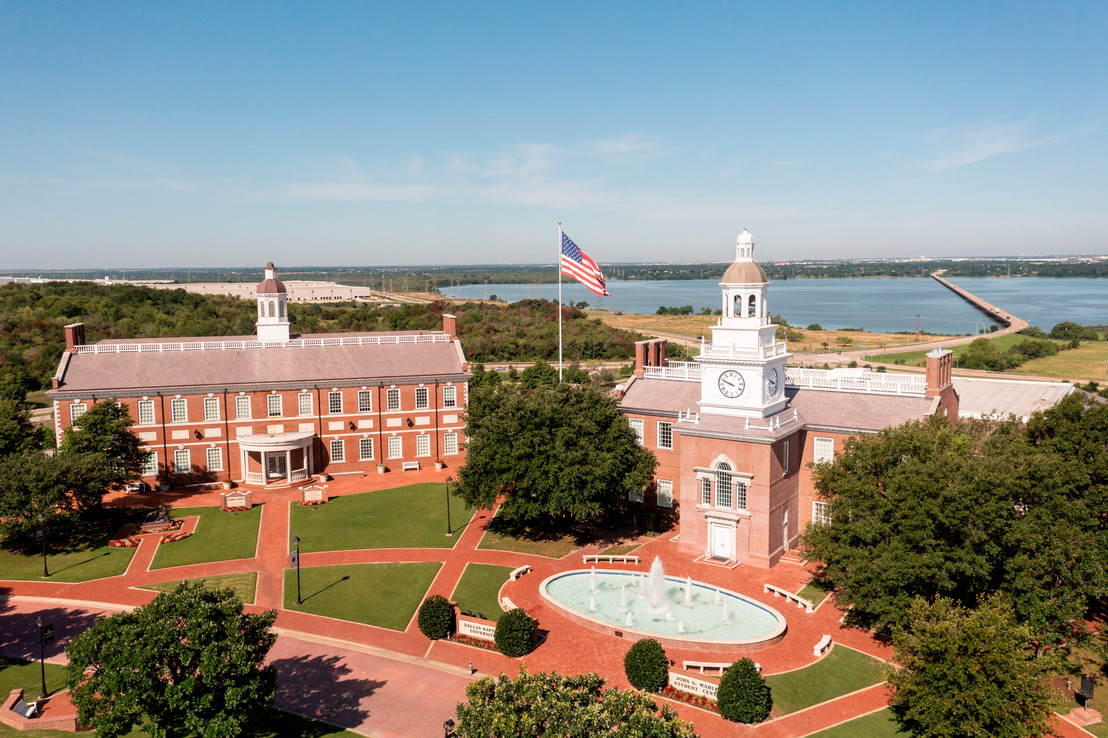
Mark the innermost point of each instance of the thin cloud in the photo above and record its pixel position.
(970, 146)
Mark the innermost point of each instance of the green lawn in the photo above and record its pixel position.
(875, 725)
(219, 536)
(15, 674)
(815, 591)
(840, 672)
(71, 566)
(385, 595)
(477, 589)
(405, 517)
(554, 548)
(916, 358)
(243, 585)
(625, 548)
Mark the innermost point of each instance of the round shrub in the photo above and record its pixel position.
(743, 694)
(515, 633)
(646, 665)
(436, 617)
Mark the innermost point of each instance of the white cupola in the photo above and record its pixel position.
(273, 316)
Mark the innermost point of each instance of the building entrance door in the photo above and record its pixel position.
(276, 467)
(723, 542)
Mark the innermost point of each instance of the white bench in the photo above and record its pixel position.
(598, 558)
(507, 604)
(823, 645)
(800, 601)
(701, 666)
(517, 573)
(410, 466)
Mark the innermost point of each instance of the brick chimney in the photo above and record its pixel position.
(450, 325)
(74, 337)
(649, 353)
(940, 381)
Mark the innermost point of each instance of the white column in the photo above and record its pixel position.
(288, 465)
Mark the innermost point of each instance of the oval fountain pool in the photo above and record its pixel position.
(677, 612)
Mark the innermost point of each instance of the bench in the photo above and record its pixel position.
(517, 573)
(507, 604)
(823, 645)
(701, 666)
(599, 558)
(409, 466)
(800, 601)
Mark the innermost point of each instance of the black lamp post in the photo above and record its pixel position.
(449, 529)
(448, 728)
(42, 655)
(41, 535)
(296, 542)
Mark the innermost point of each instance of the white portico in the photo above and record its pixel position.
(743, 368)
(276, 458)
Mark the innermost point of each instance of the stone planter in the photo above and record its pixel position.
(325, 477)
(227, 484)
(439, 465)
(381, 469)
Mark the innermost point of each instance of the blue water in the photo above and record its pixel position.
(878, 305)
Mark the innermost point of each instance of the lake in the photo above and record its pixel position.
(880, 305)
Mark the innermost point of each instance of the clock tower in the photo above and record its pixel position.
(743, 365)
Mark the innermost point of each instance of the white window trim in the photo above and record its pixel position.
(218, 456)
(242, 402)
(270, 401)
(450, 396)
(425, 403)
(337, 443)
(817, 457)
(188, 464)
(423, 439)
(449, 441)
(389, 395)
(659, 429)
(367, 395)
(302, 399)
(148, 405)
(362, 456)
(638, 425)
(821, 512)
(211, 402)
(150, 464)
(178, 402)
(330, 405)
(667, 484)
(399, 445)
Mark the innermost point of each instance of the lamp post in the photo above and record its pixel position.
(296, 542)
(40, 534)
(449, 528)
(448, 728)
(45, 634)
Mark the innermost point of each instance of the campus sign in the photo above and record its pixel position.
(686, 683)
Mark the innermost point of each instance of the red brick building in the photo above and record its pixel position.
(275, 409)
(736, 431)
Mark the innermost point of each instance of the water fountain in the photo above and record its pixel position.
(677, 612)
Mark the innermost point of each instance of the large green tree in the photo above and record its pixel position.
(548, 705)
(560, 452)
(968, 673)
(960, 510)
(190, 660)
(60, 487)
(106, 429)
(17, 434)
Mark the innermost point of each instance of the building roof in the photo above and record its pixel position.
(660, 396)
(138, 372)
(744, 272)
(271, 285)
(978, 397)
(857, 411)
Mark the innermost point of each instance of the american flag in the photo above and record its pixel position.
(577, 264)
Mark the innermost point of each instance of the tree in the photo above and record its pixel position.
(17, 434)
(436, 617)
(968, 673)
(515, 633)
(548, 705)
(106, 429)
(961, 510)
(561, 452)
(646, 665)
(538, 373)
(191, 659)
(743, 696)
(60, 487)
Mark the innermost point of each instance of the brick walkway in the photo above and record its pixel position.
(383, 682)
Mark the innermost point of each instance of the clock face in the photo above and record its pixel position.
(772, 381)
(731, 383)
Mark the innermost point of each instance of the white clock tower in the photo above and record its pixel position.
(744, 365)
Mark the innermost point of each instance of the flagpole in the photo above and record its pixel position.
(558, 264)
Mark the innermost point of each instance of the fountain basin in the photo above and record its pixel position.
(752, 625)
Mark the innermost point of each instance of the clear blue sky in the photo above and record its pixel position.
(374, 133)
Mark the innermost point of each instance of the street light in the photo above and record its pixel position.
(448, 728)
(296, 542)
(41, 535)
(449, 528)
(43, 637)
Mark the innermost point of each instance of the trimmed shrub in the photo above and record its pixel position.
(646, 665)
(515, 633)
(743, 694)
(436, 617)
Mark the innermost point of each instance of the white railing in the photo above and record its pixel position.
(119, 348)
(298, 475)
(686, 370)
(855, 380)
(255, 478)
(711, 351)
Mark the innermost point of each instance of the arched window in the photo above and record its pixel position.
(281, 307)
(261, 309)
(272, 309)
(753, 306)
(723, 484)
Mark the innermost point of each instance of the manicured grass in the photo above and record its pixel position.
(875, 725)
(71, 566)
(815, 591)
(15, 674)
(385, 595)
(840, 672)
(243, 585)
(1085, 362)
(477, 589)
(405, 517)
(219, 536)
(554, 548)
(626, 548)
